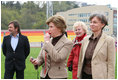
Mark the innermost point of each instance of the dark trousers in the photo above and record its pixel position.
(9, 73)
(86, 76)
(47, 77)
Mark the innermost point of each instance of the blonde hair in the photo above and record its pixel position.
(58, 21)
(80, 23)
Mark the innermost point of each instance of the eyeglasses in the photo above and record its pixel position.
(94, 22)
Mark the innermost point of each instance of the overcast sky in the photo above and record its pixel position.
(113, 3)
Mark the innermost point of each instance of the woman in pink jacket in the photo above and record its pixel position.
(80, 29)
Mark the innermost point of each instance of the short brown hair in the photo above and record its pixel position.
(58, 21)
(101, 17)
(16, 25)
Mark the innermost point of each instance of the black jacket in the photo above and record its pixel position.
(15, 58)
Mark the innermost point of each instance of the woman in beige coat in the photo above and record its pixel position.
(54, 53)
(97, 55)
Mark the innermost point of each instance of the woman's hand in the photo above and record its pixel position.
(34, 61)
(47, 37)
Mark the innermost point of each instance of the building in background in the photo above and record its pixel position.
(83, 14)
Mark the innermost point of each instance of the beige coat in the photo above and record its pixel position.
(56, 58)
(103, 60)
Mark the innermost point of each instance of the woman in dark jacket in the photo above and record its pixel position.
(80, 29)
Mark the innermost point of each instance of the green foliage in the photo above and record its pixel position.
(29, 14)
(40, 18)
(60, 6)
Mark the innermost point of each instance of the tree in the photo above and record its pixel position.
(60, 6)
(18, 5)
(30, 14)
(40, 21)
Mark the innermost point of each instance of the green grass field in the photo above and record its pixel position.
(30, 72)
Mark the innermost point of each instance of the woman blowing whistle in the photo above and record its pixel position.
(54, 53)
